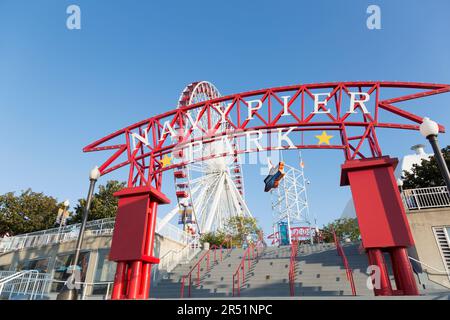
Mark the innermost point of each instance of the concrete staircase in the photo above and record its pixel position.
(216, 282)
(319, 272)
(322, 273)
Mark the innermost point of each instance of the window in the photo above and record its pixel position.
(39, 264)
(106, 269)
(62, 263)
(5, 268)
(443, 239)
(104, 272)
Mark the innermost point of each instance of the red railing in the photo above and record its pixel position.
(348, 270)
(206, 257)
(294, 252)
(249, 255)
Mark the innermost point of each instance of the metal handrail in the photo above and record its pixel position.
(172, 258)
(85, 285)
(348, 270)
(294, 252)
(30, 277)
(423, 198)
(16, 275)
(251, 249)
(188, 247)
(207, 256)
(67, 233)
(428, 266)
(260, 244)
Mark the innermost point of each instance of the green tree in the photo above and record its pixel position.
(28, 212)
(104, 204)
(239, 227)
(426, 174)
(344, 228)
(214, 238)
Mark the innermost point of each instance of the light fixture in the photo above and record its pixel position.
(94, 174)
(429, 127)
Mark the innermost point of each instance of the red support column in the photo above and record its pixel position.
(135, 280)
(133, 241)
(376, 258)
(119, 280)
(381, 218)
(149, 246)
(126, 288)
(404, 276)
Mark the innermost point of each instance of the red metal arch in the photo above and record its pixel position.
(144, 144)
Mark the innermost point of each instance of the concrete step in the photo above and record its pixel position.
(319, 272)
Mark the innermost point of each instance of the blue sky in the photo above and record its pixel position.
(62, 89)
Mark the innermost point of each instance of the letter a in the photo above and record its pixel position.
(374, 279)
(374, 20)
(74, 20)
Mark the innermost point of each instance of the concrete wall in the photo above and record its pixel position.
(93, 244)
(427, 249)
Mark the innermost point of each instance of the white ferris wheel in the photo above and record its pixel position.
(211, 191)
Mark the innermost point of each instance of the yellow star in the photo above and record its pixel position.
(324, 138)
(166, 161)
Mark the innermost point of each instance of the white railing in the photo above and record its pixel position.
(167, 263)
(88, 289)
(172, 258)
(92, 285)
(438, 272)
(433, 197)
(432, 268)
(70, 233)
(172, 232)
(56, 235)
(29, 284)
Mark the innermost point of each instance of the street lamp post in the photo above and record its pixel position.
(400, 184)
(69, 291)
(62, 218)
(430, 129)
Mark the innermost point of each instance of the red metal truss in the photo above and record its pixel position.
(143, 145)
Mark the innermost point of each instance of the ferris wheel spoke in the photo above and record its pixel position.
(208, 186)
(215, 203)
(196, 167)
(203, 205)
(167, 218)
(240, 200)
(197, 202)
(211, 193)
(203, 179)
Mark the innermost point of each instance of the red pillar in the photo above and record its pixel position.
(376, 258)
(381, 218)
(404, 275)
(149, 246)
(133, 241)
(135, 280)
(119, 281)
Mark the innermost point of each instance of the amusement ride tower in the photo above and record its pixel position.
(291, 216)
